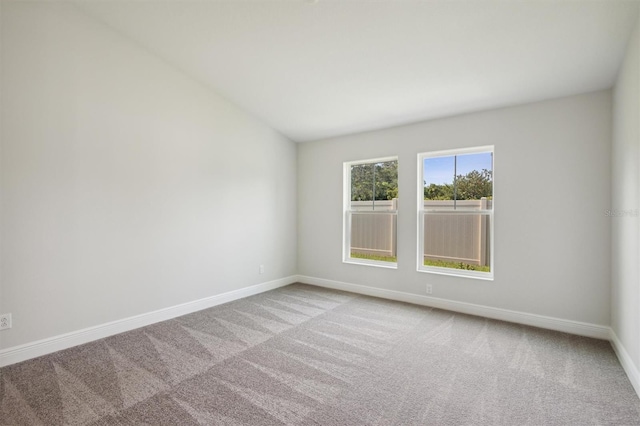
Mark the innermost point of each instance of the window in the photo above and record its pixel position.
(370, 212)
(455, 212)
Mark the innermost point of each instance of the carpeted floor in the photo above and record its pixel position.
(304, 355)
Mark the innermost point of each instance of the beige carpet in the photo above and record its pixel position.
(303, 355)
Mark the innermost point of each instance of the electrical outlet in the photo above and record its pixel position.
(5, 321)
(429, 289)
(262, 269)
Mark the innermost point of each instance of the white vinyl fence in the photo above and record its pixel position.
(373, 232)
(449, 237)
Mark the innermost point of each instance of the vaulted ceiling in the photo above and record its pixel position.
(316, 69)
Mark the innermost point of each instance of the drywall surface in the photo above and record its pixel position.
(552, 183)
(625, 193)
(126, 186)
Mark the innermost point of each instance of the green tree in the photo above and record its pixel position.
(383, 176)
(362, 182)
(472, 186)
(438, 192)
(386, 180)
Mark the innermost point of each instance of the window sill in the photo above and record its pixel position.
(485, 276)
(377, 264)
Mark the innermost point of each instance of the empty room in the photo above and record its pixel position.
(315, 212)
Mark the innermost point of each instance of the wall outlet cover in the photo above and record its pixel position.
(5, 321)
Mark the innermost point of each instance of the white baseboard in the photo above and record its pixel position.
(550, 323)
(64, 341)
(628, 365)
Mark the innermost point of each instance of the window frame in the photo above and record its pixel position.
(347, 212)
(422, 212)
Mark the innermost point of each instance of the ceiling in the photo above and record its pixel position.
(317, 69)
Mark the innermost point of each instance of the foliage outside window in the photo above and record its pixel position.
(455, 212)
(370, 212)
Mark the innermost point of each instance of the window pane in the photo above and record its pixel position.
(373, 236)
(368, 179)
(458, 241)
(438, 178)
(474, 176)
(371, 213)
(362, 185)
(386, 180)
(459, 178)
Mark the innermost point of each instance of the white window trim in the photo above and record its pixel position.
(422, 212)
(346, 215)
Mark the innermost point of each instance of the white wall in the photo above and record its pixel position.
(552, 183)
(625, 193)
(126, 186)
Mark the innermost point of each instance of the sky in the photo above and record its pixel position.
(440, 170)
